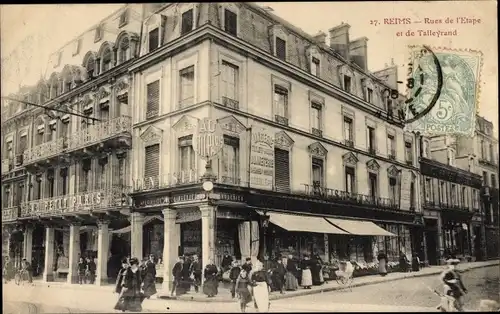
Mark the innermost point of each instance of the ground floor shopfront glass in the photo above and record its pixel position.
(456, 240)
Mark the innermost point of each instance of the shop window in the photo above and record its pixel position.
(282, 170)
(152, 166)
(230, 161)
(187, 22)
(186, 87)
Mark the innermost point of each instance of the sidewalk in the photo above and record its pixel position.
(225, 296)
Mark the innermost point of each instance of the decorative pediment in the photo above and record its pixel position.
(350, 159)
(186, 124)
(346, 70)
(367, 83)
(372, 165)
(283, 140)
(103, 95)
(152, 135)
(317, 149)
(231, 126)
(392, 171)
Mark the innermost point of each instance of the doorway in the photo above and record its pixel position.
(477, 243)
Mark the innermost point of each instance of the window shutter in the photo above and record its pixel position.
(152, 165)
(282, 170)
(153, 99)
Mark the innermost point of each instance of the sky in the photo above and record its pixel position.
(30, 33)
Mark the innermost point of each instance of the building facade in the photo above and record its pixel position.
(64, 176)
(307, 153)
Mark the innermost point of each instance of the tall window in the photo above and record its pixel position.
(154, 39)
(408, 152)
(153, 99)
(453, 195)
(428, 189)
(152, 166)
(230, 22)
(492, 154)
(281, 102)
(485, 178)
(391, 147)
(229, 86)
(475, 198)
(230, 161)
(482, 149)
(187, 87)
(316, 118)
(38, 187)
(18, 199)
(464, 198)
(348, 131)
(187, 22)
(187, 157)
(393, 191)
(369, 95)
(350, 180)
(388, 103)
(6, 196)
(124, 51)
(317, 172)
(372, 178)
(371, 139)
(281, 49)
(9, 150)
(493, 181)
(315, 66)
(64, 181)
(101, 181)
(106, 61)
(85, 176)
(282, 170)
(347, 83)
(451, 158)
(412, 194)
(442, 193)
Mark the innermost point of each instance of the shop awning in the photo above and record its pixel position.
(128, 228)
(303, 223)
(356, 227)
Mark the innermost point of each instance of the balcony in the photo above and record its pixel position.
(44, 151)
(80, 203)
(10, 213)
(165, 181)
(486, 162)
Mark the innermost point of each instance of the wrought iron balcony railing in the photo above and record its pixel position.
(10, 213)
(84, 202)
(92, 135)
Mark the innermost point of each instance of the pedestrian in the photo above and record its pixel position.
(195, 273)
(306, 280)
(243, 286)
(291, 275)
(233, 276)
(119, 276)
(149, 271)
(177, 276)
(453, 284)
(8, 270)
(211, 284)
(131, 295)
(259, 279)
(403, 262)
(278, 275)
(316, 270)
(268, 266)
(82, 268)
(226, 261)
(28, 270)
(90, 271)
(415, 262)
(186, 275)
(382, 264)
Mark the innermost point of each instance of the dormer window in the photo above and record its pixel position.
(98, 33)
(106, 61)
(78, 44)
(154, 39)
(315, 66)
(369, 95)
(230, 22)
(123, 18)
(187, 22)
(280, 48)
(347, 83)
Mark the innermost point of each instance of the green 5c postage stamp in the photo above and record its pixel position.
(446, 81)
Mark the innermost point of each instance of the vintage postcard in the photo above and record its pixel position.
(217, 157)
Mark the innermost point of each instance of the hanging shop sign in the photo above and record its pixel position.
(208, 139)
(261, 159)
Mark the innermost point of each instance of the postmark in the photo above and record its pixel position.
(455, 107)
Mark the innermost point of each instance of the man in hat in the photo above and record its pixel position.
(196, 272)
(177, 274)
(453, 285)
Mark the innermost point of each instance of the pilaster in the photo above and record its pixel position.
(208, 217)
(28, 243)
(73, 254)
(137, 224)
(48, 271)
(103, 242)
(169, 249)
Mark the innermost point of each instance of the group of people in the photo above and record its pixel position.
(25, 270)
(86, 270)
(404, 263)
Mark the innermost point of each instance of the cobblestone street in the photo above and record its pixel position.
(404, 295)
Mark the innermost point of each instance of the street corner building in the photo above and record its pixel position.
(222, 127)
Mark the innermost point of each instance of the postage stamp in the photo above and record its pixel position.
(445, 84)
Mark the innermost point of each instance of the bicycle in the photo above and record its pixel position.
(344, 276)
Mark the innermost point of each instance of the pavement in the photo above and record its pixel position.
(225, 296)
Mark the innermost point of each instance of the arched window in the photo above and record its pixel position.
(54, 89)
(106, 60)
(90, 66)
(124, 51)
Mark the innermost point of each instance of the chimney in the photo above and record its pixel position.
(320, 38)
(339, 39)
(358, 51)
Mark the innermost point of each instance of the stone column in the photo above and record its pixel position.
(48, 271)
(207, 234)
(137, 224)
(28, 243)
(102, 252)
(440, 232)
(74, 249)
(169, 249)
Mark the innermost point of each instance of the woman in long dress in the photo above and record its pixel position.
(260, 278)
(211, 284)
(149, 270)
(131, 296)
(382, 264)
(291, 282)
(242, 286)
(317, 270)
(306, 281)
